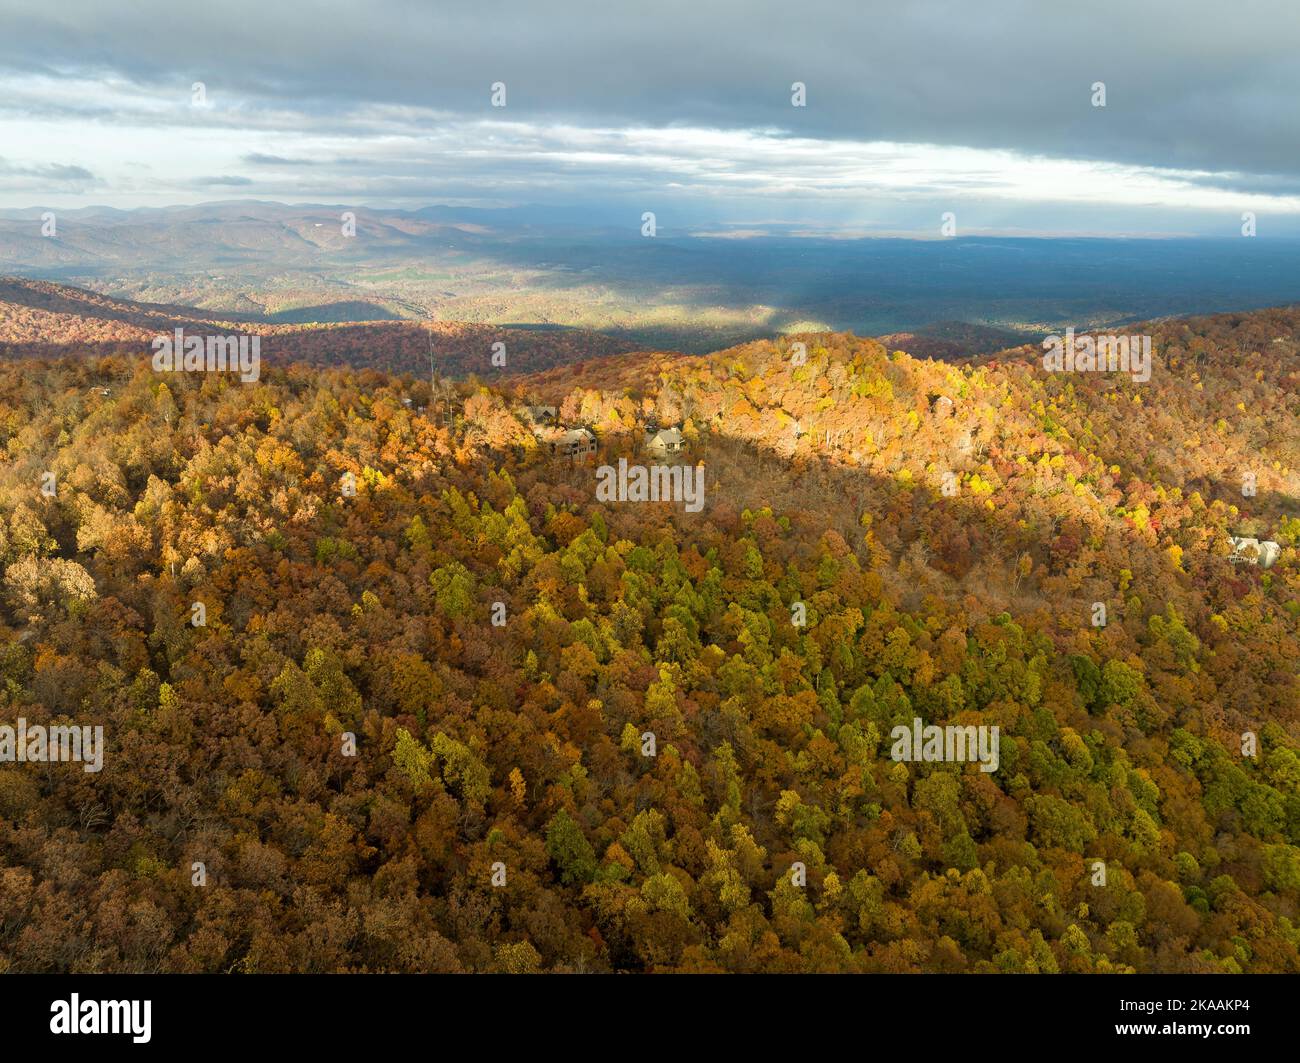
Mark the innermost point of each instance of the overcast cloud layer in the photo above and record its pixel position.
(984, 108)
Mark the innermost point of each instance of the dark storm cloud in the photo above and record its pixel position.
(1263, 184)
(1193, 84)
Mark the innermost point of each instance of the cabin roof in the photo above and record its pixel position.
(667, 435)
(577, 435)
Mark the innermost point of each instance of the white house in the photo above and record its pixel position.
(1251, 551)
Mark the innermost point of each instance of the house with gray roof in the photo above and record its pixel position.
(665, 443)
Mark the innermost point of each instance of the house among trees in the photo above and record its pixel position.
(542, 415)
(1251, 551)
(665, 443)
(574, 442)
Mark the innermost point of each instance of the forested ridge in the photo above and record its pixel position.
(483, 749)
(39, 319)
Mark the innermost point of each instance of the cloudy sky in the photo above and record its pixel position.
(980, 107)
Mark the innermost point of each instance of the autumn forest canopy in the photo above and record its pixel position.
(447, 709)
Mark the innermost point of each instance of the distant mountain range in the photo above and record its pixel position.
(45, 319)
(679, 289)
(217, 234)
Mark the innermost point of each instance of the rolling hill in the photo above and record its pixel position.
(499, 647)
(43, 319)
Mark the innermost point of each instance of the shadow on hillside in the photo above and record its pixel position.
(1259, 515)
(957, 544)
(141, 315)
(974, 571)
(350, 310)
